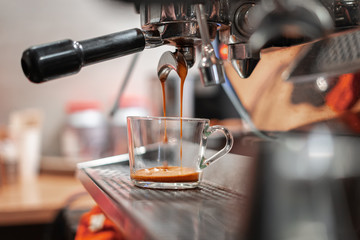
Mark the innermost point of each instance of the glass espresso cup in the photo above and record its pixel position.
(169, 152)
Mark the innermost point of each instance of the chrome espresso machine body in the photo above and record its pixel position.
(245, 26)
(292, 74)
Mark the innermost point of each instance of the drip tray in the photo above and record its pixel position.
(215, 210)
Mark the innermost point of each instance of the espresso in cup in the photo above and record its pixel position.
(168, 174)
(178, 161)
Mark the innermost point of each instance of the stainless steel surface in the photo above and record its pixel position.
(258, 25)
(176, 22)
(243, 59)
(307, 18)
(215, 210)
(329, 57)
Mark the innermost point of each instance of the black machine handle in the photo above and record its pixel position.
(57, 59)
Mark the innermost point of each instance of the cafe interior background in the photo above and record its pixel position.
(36, 174)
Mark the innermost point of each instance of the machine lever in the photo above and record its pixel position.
(57, 59)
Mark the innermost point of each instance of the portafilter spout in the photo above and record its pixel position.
(172, 61)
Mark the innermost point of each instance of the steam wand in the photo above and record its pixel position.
(211, 68)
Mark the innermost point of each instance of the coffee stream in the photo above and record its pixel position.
(170, 173)
(164, 105)
(182, 72)
(182, 75)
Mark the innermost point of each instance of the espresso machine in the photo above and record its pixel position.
(291, 72)
(325, 32)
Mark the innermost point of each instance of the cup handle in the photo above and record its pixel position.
(204, 162)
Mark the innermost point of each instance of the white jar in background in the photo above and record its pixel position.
(85, 136)
(9, 158)
(128, 106)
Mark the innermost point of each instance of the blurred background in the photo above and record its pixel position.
(26, 23)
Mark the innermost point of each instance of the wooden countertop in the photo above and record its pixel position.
(37, 200)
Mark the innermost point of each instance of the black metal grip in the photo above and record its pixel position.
(53, 60)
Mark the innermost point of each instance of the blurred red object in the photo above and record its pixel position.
(82, 105)
(345, 93)
(223, 51)
(343, 97)
(95, 225)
